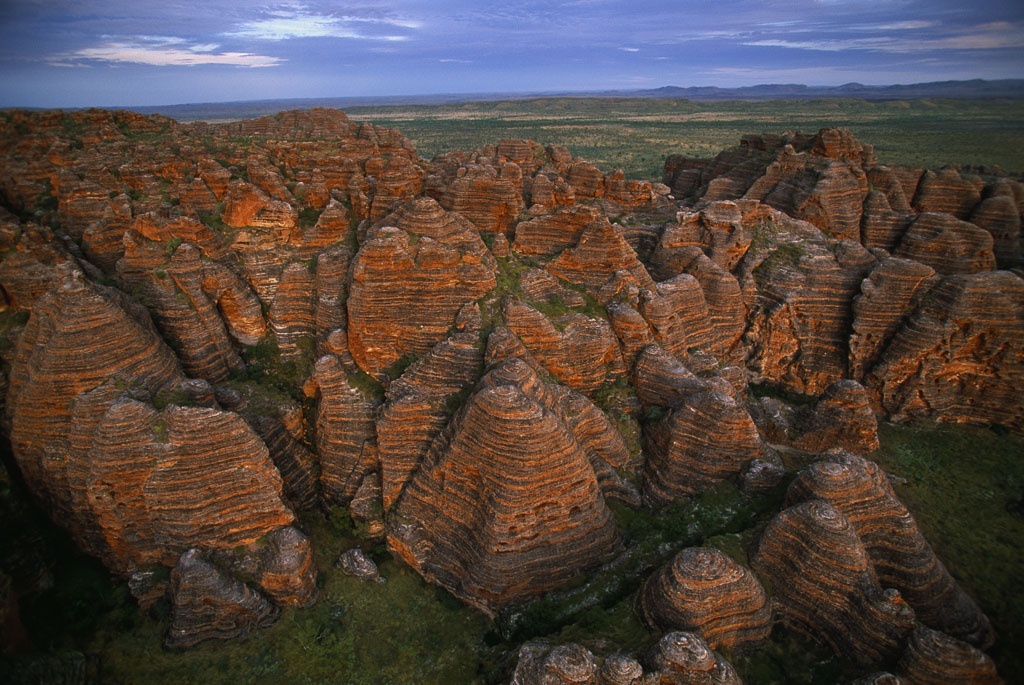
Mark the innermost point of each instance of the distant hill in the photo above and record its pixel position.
(976, 89)
(970, 90)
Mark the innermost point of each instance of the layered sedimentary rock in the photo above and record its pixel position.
(684, 457)
(820, 577)
(841, 417)
(207, 604)
(188, 319)
(932, 657)
(943, 358)
(408, 286)
(583, 354)
(898, 552)
(703, 591)
(893, 289)
(999, 214)
(946, 191)
(294, 461)
(281, 566)
(947, 244)
(419, 404)
(681, 657)
(599, 253)
(549, 234)
(800, 288)
(306, 236)
(569, 664)
(29, 267)
(506, 467)
(346, 437)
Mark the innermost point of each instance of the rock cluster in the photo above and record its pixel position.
(679, 658)
(209, 327)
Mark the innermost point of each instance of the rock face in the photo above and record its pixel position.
(409, 285)
(506, 467)
(933, 657)
(842, 417)
(703, 591)
(206, 604)
(822, 581)
(684, 459)
(899, 554)
(942, 359)
(207, 327)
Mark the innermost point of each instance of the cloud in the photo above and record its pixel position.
(162, 51)
(299, 23)
(991, 36)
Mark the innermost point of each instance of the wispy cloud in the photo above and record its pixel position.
(996, 35)
(161, 51)
(298, 22)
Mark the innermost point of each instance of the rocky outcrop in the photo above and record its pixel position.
(549, 234)
(1000, 215)
(683, 657)
(599, 253)
(684, 458)
(898, 552)
(419, 404)
(703, 591)
(947, 192)
(841, 417)
(569, 664)
(583, 354)
(505, 468)
(407, 287)
(346, 438)
(207, 604)
(188, 319)
(942, 360)
(893, 289)
(821, 580)
(932, 658)
(948, 245)
(799, 287)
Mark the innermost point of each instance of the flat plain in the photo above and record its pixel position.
(636, 134)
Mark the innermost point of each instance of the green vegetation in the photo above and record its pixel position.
(964, 485)
(636, 134)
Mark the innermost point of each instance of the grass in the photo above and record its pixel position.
(637, 134)
(964, 485)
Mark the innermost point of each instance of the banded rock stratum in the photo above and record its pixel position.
(216, 330)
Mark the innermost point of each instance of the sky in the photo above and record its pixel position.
(61, 53)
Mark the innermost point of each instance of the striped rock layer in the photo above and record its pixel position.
(820, 577)
(899, 554)
(701, 590)
(506, 468)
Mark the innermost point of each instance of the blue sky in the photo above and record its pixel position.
(57, 53)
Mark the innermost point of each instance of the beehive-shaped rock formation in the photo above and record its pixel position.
(898, 552)
(703, 591)
(207, 604)
(684, 457)
(933, 657)
(408, 285)
(506, 503)
(820, 577)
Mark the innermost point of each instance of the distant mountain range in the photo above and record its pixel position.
(975, 89)
(978, 88)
